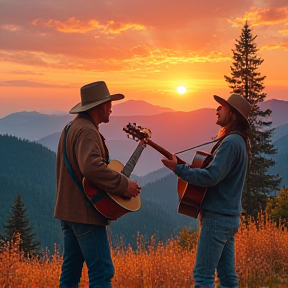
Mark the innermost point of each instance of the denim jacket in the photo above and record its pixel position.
(224, 176)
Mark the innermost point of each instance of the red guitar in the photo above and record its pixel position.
(190, 196)
(115, 206)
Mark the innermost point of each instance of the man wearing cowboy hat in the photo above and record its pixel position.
(221, 206)
(84, 228)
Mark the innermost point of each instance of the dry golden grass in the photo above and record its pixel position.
(262, 255)
(261, 261)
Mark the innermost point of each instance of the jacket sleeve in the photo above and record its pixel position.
(92, 163)
(215, 172)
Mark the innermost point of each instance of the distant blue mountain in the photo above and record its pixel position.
(174, 131)
(280, 142)
(279, 109)
(32, 125)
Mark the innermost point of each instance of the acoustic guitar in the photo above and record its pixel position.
(190, 196)
(110, 205)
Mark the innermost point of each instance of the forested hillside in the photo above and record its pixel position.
(28, 169)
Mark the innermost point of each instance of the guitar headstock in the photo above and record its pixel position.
(137, 132)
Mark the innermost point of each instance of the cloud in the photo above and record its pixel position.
(27, 83)
(262, 17)
(137, 58)
(31, 58)
(284, 31)
(119, 29)
(10, 27)
(283, 47)
(148, 37)
(25, 72)
(72, 25)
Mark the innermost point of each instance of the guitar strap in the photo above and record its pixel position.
(105, 147)
(200, 145)
(101, 194)
(66, 161)
(209, 158)
(215, 147)
(220, 140)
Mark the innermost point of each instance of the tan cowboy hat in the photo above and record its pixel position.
(238, 102)
(94, 94)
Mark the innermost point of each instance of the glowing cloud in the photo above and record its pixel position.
(12, 28)
(72, 25)
(266, 16)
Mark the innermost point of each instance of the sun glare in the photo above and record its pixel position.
(181, 89)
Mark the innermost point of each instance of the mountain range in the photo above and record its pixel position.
(173, 130)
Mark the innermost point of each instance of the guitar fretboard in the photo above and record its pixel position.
(128, 168)
(163, 151)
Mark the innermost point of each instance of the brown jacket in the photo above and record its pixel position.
(87, 156)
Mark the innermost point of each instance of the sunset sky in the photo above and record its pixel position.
(144, 49)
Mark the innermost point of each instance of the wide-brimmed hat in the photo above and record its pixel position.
(94, 94)
(238, 102)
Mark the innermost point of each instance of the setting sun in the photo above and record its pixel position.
(181, 89)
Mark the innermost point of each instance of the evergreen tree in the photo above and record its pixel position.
(278, 206)
(19, 223)
(187, 240)
(247, 80)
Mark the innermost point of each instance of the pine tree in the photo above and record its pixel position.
(19, 223)
(187, 240)
(278, 206)
(247, 80)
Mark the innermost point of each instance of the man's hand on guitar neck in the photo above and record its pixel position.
(170, 163)
(133, 189)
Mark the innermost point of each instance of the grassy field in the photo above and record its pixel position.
(261, 261)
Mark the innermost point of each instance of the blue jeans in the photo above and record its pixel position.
(89, 243)
(216, 250)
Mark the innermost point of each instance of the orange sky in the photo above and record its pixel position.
(143, 49)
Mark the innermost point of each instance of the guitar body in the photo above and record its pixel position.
(109, 205)
(191, 196)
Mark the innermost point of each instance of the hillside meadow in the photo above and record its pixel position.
(261, 261)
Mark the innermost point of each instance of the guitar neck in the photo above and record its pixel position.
(164, 152)
(128, 168)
